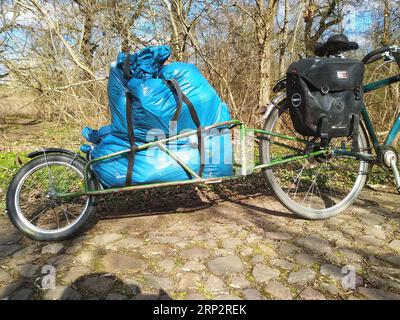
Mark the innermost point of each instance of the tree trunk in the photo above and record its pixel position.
(386, 24)
(265, 75)
(265, 37)
(284, 41)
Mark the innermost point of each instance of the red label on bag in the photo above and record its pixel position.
(342, 75)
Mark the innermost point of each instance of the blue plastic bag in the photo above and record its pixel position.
(153, 106)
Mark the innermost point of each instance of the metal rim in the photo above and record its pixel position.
(21, 216)
(341, 205)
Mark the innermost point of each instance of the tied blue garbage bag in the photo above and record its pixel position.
(147, 62)
(154, 165)
(153, 106)
(154, 103)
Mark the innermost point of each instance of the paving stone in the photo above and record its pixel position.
(332, 272)
(105, 239)
(351, 255)
(395, 245)
(231, 243)
(268, 251)
(126, 243)
(155, 250)
(52, 248)
(286, 250)
(372, 219)
(114, 263)
(8, 239)
(8, 249)
(254, 238)
(85, 258)
(246, 251)
(311, 294)
(333, 235)
(4, 276)
(371, 240)
(377, 232)
(7, 290)
(60, 261)
(211, 243)
(384, 282)
(252, 294)
(25, 252)
(395, 260)
(73, 249)
(239, 282)
(189, 280)
(195, 253)
(193, 266)
(264, 274)
(315, 244)
(27, 270)
(75, 273)
(166, 239)
(278, 290)
(98, 284)
(194, 296)
(158, 282)
(23, 294)
(280, 236)
(166, 265)
(376, 294)
(258, 259)
(330, 288)
(222, 265)
(350, 231)
(116, 296)
(306, 259)
(217, 229)
(62, 293)
(302, 277)
(215, 285)
(335, 258)
(283, 264)
(227, 297)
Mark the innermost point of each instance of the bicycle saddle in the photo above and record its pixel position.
(336, 44)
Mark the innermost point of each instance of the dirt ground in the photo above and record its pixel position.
(232, 241)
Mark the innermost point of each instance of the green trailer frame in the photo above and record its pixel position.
(244, 132)
(196, 179)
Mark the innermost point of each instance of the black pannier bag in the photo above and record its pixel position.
(326, 97)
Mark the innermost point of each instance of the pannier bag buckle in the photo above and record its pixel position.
(357, 93)
(324, 89)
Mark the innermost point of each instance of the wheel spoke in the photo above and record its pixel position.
(312, 186)
(37, 191)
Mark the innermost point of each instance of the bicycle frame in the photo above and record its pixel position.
(390, 140)
(244, 131)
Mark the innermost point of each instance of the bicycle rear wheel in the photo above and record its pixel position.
(315, 188)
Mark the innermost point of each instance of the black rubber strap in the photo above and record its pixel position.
(127, 65)
(200, 139)
(324, 133)
(180, 96)
(131, 155)
(356, 133)
(173, 84)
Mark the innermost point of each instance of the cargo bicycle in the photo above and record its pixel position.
(52, 197)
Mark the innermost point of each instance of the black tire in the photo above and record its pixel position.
(311, 213)
(17, 217)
